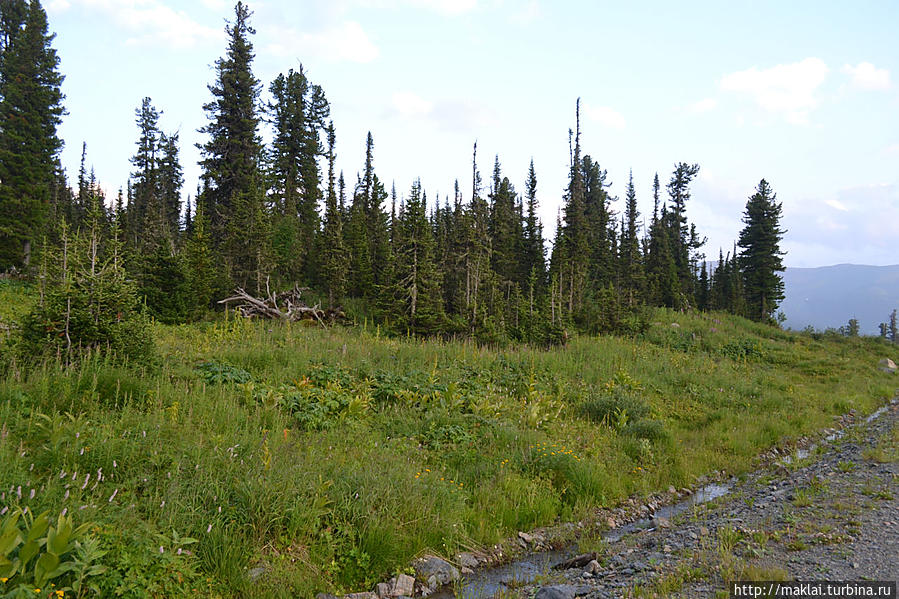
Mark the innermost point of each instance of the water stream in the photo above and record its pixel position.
(488, 582)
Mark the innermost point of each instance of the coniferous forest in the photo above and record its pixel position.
(503, 385)
(277, 216)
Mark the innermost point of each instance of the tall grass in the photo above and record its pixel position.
(330, 458)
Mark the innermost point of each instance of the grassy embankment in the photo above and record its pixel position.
(334, 457)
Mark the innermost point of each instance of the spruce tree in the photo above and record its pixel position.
(232, 197)
(298, 113)
(761, 258)
(534, 253)
(417, 285)
(30, 111)
(334, 259)
(631, 260)
(682, 236)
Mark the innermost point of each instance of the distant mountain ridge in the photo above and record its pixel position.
(828, 296)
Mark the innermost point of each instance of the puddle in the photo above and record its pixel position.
(487, 583)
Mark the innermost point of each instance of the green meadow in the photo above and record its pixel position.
(331, 458)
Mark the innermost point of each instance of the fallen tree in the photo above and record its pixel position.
(286, 306)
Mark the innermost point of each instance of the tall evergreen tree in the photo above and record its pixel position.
(334, 261)
(30, 111)
(534, 253)
(232, 193)
(417, 284)
(631, 260)
(682, 236)
(761, 258)
(298, 113)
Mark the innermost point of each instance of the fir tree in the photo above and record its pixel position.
(334, 261)
(30, 111)
(417, 282)
(232, 194)
(761, 258)
(534, 253)
(631, 260)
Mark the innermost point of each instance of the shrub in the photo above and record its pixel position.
(87, 304)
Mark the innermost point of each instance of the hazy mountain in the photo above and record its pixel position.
(830, 295)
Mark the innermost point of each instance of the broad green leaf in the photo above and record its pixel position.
(9, 541)
(45, 564)
(28, 551)
(39, 527)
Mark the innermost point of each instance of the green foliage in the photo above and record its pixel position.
(217, 373)
(87, 304)
(36, 552)
(30, 111)
(761, 260)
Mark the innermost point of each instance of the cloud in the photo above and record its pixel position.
(152, 22)
(837, 205)
(704, 105)
(446, 7)
(605, 116)
(58, 6)
(786, 89)
(868, 77)
(446, 114)
(859, 220)
(342, 42)
(408, 104)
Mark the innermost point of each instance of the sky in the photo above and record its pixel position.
(802, 94)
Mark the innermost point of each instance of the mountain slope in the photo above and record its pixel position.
(829, 296)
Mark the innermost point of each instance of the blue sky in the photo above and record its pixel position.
(804, 94)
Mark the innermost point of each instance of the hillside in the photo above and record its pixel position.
(827, 297)
(327, 459)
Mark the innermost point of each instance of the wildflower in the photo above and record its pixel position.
(161, 550)
(64, 511)
(209, 529)
(114, 465)
(31, 495)
(111, 497)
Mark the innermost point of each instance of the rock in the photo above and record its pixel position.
(671, 490)
(703, 531)
(467, 560)
(382, 589)
(661, 522)
(887, 365)
(559, 591)
(611, 523)
(255, 574)
(434, 567)
(361, 596)
(675, 325)
(666, 549)
(325, 596)
(578, 561)
(593, 567)
(403, 587)
(467, 571)
(526, 537)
